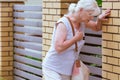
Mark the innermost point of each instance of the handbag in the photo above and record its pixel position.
(80, 71)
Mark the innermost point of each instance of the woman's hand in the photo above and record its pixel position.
(105, 14)
(78, 36)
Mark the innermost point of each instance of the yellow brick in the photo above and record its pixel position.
(45, 47)
(43, 29)
(56, 18)
(45, 35)
(49, 5)
(3, 44)
(116, 5)
(104, 74)
(7, 68)
(104, 43)
(6, 29)
(3, 14)
(112, 76)
(48, 42)
(11, 53)
(4, 24)
(11, 44)
(56, 5)
(49, 17)
(11, 63)
(49, 30)
(64, 5)
(45, 23)
(10, 24)
(119, 29)
(3, 4)
(4, 64)
(114, 13)
(8, 78)
(43, 41)
(116, 53)
(107, 36)
(45, 11)
(112, 29)
(3, 74)
(107, 5)
(10, 73)
(113, 45)
(107, 52)
(119, 62)
(107, 67)
(104, 59)
(59, 11)
(64, 11)
(3, 34)
(119, 13)
(116, 21)
(110, 21)
(12, 4)
(50, 36)
(44, 4)
(112, 60)
(116, 37)
(116, 69)
(11, 34)
(51, 24)
(52, 11)
(6, 59)
(10, 14)
(104, 28)
(6, 19)
(6, 39)
(6, 9)
(2, 54)
(43, 54)
(43, 17)
(6, 49)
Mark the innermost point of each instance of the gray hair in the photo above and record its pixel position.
(86, 5)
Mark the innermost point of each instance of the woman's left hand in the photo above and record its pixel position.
(103, 16)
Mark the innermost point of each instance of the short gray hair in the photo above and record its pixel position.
(86, 5)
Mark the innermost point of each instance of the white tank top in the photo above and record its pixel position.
(63, 62)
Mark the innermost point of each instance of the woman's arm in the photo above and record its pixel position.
(61, 43)
(97, 26)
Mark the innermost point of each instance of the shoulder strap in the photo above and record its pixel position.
(76, 46)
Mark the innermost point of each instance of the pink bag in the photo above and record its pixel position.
(80, 72)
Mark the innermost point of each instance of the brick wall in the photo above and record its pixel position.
(6, 38)
(111, 42)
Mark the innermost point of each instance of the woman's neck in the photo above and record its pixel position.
(75, 21)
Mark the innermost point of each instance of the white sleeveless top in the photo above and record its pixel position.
(63, 62)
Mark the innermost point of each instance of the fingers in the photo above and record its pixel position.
(107, 14)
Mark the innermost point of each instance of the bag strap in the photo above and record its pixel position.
(76, 46)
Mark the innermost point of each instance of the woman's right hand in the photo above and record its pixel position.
(78, 36)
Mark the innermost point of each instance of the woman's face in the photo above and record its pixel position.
(86, 16)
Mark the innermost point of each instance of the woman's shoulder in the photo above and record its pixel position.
(63, 19)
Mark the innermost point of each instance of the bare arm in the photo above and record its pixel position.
(97, 26)
(61, 43)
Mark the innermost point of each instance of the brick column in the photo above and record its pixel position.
(111, 42)
(6, 38)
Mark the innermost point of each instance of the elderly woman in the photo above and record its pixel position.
(60, 58)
